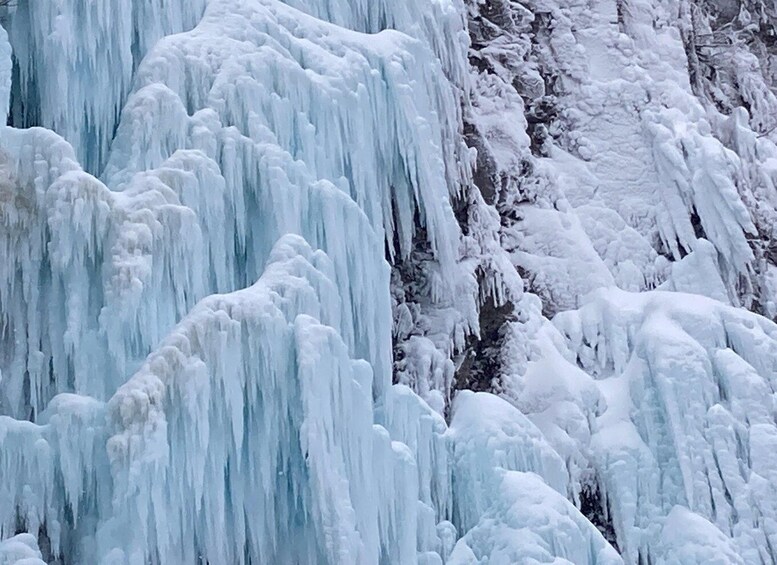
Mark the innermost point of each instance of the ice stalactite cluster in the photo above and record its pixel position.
(154, 396)
(252, 248)
(75, 63)
(689, 385)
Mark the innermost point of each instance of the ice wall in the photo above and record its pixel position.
(689, 384)
(76, 61)
(228, 213)
(154, 395)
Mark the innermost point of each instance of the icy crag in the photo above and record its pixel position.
(376, 282)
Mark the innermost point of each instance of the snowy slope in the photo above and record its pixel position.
(373, 281)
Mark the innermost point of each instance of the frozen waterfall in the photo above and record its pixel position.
(384, 282)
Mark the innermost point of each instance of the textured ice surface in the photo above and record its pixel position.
(21, 549)
(197, 310)
(531, 523)
(689, 385)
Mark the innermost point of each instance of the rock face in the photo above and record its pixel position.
(388, 282)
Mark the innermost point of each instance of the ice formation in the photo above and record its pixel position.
(20, 550)
(689, 384)
(373, 281)
(532, 523)
(258, 123)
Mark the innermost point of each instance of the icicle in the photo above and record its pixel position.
(6, 69)
(70, 50)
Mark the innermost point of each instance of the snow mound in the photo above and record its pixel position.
(688, 538)
(509, 491)
(487, 434)
(21, 549)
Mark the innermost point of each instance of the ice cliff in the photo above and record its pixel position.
(387, 281)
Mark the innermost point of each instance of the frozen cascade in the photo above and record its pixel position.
(689, 383)
(243, 156)
(629, 171)
(215, 158)
(636, 171)
(689, 538)
(228, 212)
(67, 51)
(513, 443)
